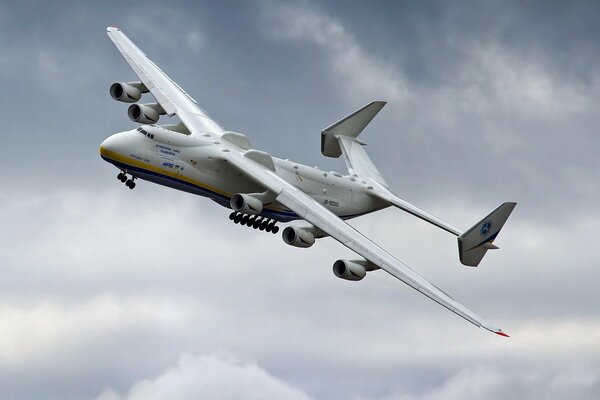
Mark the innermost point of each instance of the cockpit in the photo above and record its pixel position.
(145, 133)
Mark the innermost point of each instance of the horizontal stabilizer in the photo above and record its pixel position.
(351, 126)
(475, 242)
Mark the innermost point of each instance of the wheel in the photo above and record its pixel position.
(128, 182)
(120, 176)
(132, 185)
(257, 222)
(237, 218)
(275, 229)
(123, 178)
(245, 218)
(264, 224)
(232, 215)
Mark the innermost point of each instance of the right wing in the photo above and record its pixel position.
(171, 97)
(313, 212)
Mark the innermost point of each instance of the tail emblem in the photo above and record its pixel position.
(485, 228)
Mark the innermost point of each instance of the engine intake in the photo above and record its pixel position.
(246, 204)
(127, 92)
(352, 270)
(145, 113)
(298, 237)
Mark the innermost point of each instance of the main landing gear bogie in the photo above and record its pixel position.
(255, 222)
(129, 182)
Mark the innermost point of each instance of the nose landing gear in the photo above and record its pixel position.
(129, 182)
(255, 222)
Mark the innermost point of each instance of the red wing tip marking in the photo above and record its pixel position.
(501, 333)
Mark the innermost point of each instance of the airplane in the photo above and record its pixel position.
(196, 155)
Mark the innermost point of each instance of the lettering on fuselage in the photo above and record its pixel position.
(331, 203)
(167, 150)
(139, 158)
(173, 166)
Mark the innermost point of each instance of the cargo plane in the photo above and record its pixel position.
(198, 156)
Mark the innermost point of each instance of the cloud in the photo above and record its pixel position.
(103, 287)
(209, 377)
(478, 382)
(52, 326)
(484, 108)
(357, 74)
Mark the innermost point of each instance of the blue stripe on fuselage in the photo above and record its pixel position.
(161, 179)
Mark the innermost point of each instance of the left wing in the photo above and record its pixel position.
(313, 212)
(171, 97)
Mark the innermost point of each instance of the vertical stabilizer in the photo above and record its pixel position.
(475, 242)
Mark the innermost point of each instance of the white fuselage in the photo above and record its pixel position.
(193, 164)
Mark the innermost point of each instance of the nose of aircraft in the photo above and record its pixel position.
(113, 145)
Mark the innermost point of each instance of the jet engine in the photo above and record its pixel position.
(246, 204)
(298, 237)
(351, 270)
(145, 113)
(127, 92)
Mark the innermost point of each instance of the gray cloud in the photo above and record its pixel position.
(103, 289)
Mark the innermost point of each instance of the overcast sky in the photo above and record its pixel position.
(113, 294)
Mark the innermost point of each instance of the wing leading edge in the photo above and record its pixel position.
(319, 216)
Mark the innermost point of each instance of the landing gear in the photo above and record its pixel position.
(129, 182)
(254, 221)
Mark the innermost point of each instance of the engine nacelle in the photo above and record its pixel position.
(246, 204)
(127, 92)
(351, 270)
(298, 237)
(145, 113)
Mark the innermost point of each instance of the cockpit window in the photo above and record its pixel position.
(143, 132)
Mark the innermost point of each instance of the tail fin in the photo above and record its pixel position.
(342, 138)
(475, 242)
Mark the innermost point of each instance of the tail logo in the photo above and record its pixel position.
(485, 228)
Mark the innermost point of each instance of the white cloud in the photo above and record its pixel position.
(492, 89)
(357, 74)
(493, 76)
(53, 327)
(209, 377)
(490, 382)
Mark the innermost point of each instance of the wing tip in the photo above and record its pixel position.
(112, 28)
(499, 332)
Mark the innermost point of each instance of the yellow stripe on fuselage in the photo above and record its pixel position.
(111, 155)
